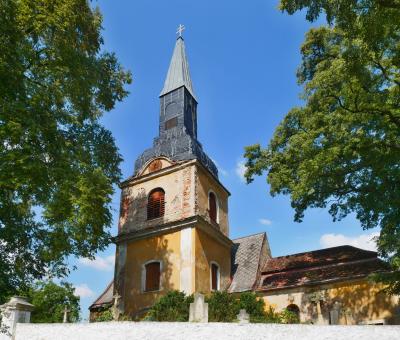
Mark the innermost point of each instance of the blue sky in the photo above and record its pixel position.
(243, 58)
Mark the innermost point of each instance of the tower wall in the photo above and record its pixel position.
(208, 250)
(166, 249)
(179, 187)
(205, 183)
(178, 110)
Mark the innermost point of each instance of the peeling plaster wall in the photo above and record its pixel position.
(162, 162)
(361, 301)
(179, 199)
(204, 184)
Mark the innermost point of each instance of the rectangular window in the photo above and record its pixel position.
(171, 123)
(152, 277)
(214, 276)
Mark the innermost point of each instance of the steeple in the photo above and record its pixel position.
(178, 73)
(178, 104)
(177, 138)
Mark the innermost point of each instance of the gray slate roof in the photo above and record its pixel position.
(106, 298)
(178, 72)
(246, 257)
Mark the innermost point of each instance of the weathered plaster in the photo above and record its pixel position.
(209, 250)
(166, 249)
(186, 261)
(119, 273)
(361, 301)
(204, 184)
(179, 199)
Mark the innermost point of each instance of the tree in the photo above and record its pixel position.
(50, 301)
(341, 150)
(58, 164)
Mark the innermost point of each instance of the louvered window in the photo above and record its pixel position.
(152, 277)
(156, 204)
(212, 211)
(214, 276)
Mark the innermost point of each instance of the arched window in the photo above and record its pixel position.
(215, 276)
(156, 204)
(212, 207)
(294, 309)
(152, 273)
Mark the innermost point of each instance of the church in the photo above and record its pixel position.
(173, 234)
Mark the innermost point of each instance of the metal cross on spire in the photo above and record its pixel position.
(181, 28)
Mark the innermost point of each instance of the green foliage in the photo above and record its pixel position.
(341, 150)
(50, 301)
(270, 316)
(222, 307)
(58, 165)
(289, 317)
(253, 305)
(104, 316)
(174, 306)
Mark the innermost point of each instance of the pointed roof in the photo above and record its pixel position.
(106, 298)
(178, 72)
(246, 255)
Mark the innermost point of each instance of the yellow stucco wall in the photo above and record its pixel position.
(209, 250)
(165, 248)
(201, 250)
(205, 183)
(360, 302)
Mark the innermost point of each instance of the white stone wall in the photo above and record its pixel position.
(185, 331)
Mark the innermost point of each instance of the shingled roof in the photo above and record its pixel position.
(105, 299)
(246, 257)
(320, 266)
(317, 258)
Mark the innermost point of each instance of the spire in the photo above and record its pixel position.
(177, 137)
(178, 72)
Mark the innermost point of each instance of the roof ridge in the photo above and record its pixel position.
(323, 249)
(316, 267)
(239, 238)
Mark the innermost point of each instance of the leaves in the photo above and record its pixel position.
(222, 307)
(253, 305)
(50, 301)
(58, 165)
(172, 307)
(341, 150)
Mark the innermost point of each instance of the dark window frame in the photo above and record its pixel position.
(156, 204)
(152, 279)
(213, 207)
(215, 276)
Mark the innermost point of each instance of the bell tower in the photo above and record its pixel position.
(173, 231)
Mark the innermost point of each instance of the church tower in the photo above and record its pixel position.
(173, 229)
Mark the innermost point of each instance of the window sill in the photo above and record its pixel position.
(151, 291)
(155, 219)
